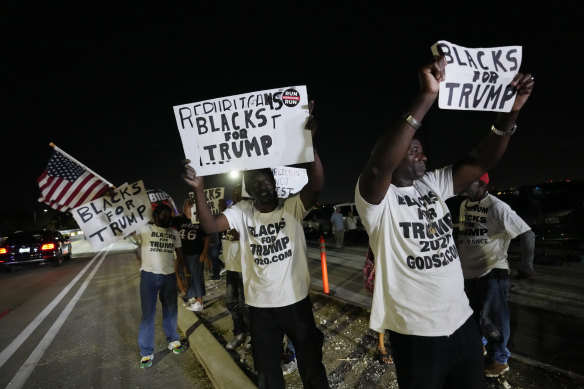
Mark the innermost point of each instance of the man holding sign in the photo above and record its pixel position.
(419, 286)
(274, 268)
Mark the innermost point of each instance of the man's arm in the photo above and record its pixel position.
(394, 143)
(482, 158)
(309, 194)
(210, 223)
(527, 252)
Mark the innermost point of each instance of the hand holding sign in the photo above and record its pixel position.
(478, 79)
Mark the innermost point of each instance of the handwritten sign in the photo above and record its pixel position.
(111, 218)
(212, 195)
(478, 78)
(246, 131)
(289, 181)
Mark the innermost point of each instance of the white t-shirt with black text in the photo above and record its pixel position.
(486, 229)
(419, 288)
(273, 252)
(157, 248)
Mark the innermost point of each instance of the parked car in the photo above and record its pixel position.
(28, 247)
(318, 222)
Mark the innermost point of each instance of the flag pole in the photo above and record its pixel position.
(79, 163)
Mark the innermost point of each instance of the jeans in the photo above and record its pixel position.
(152, 286)
(488, 299)
(268, 327)
(197, 284)
(235, 302)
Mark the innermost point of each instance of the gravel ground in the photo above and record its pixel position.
(349, 348)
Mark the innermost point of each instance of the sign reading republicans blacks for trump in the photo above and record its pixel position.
(247, 131)
(478, 79)
(111, 218)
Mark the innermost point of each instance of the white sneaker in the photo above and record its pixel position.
(235, 342)
(190, 301)
(289, 367)
(197, 307)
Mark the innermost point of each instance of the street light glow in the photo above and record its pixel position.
(234, 174)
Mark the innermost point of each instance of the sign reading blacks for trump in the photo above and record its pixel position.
(246, 131)
(478, 79)
(111, 218)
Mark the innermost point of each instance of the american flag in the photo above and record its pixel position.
(66, 185)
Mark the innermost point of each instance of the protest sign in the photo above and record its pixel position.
(478, 78)
(246, 131)
(289, 181)
(111, 218)
(158, 196)
(213, 195)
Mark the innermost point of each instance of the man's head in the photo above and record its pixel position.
(261, 185)
(412, 166)
(186, 208)
(161, 215)
(477, 189)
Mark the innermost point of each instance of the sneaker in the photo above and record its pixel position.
(190, 301)
(197, 307)
(223, 271)
(176, 347)
(235, 342)
(289, 367)
(495, 369)
(146, 361)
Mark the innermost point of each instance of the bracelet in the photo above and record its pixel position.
(412, 121)
(503, 133)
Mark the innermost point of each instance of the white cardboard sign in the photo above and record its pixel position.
(478, 79)
(289, 181)
(247, 131)
(111, 218)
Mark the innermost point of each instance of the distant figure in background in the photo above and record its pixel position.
(158, 266)
(486, 227)
(194, 245)
(351, 232)
(339, 225)
(289, 364)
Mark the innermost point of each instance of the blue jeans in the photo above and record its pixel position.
(152, 286)
(197, 284)
(488, 299)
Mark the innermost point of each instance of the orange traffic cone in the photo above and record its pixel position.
(325, 284)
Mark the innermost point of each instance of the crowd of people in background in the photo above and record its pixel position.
(444, 306)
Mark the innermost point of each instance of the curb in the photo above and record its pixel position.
(221, 369)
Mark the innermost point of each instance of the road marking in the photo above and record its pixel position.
(29, 365)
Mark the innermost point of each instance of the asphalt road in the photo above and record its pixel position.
(77, 326)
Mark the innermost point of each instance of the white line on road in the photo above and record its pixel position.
(20, 339)
(32, 361)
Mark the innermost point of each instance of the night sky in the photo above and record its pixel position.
(101, 82)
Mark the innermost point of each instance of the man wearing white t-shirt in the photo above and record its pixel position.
(160, 255)
(486, 227)
(274, 268)
(419, 288)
